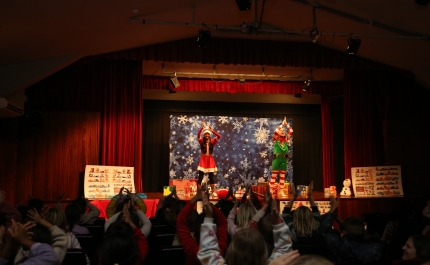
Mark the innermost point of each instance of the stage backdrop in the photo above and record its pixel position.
(243, 154)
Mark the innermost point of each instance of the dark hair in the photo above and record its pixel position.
(422, 246)
(41, 234)
(265, 227)
(225, 207)
(196, 225)
(82, 203)
(171, 215)
(35, 204)
(73, 214)
(354, 228)
(122, 227)
(119, 247)
(23, 210)
(133, 216)
(120, 205)
(203, 146)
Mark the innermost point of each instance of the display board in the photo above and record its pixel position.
(377, 181)
(104, 182)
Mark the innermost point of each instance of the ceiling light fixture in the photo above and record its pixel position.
(308, 81)
(203, 38)
(175, 82)
(353, 45)
(314, 34)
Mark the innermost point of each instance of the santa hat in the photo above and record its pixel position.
(207, 131)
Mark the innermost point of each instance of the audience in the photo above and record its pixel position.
(124, 243)
(247, 246)
(244, 215)
(116, 204)
(39, 252)
(90, 216)
(171, 217)
(415, 251)
(73, 215)
(304, 223)
(351, 246)
(190, 240)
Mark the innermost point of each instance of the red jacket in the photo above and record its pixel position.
(190, 245)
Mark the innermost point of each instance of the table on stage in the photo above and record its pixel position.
(151, 207)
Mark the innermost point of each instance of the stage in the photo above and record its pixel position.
(348, 206)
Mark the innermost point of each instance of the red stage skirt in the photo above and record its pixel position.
(207, 164)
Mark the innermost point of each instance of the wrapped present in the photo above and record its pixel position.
(167, 190)
(185, 187)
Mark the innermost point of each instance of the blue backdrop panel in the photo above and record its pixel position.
(243, 155)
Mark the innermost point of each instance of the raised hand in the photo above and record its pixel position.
(310, 189)
(207, 206)
(120, 191)
(334, 203)
(60, 196)
(203, 123)
(267, 197)
(34, 216)
(286, 258)
(293, 191)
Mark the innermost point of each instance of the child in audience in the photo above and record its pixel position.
(59, 238)
(139, 219)
(124, 243)
(171, 217)
(57, 217)
(164, 206)
(87, 217)
(247, 246)
(73, 215)
(189, 242)
(116, 204)
(39, 253)
(304, 223)
(244, 215)
(352, 246)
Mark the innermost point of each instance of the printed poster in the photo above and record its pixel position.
(104, 182)
(384, 181)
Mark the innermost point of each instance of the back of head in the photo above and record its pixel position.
(82, 203)
(120, 205)
(133, 216)
(35, 204)
(304, 222)
(41, 234)
(354, 228)
(226, 207)
(247, 248)
(244, 215)
(311, 260)
(73, 214)
(23, 210)
(121, 227)
(422, 246)
(265, 227)
(56, 217)
(171, 215)
(119, 248)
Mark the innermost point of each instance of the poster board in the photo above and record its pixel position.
(104, 182)
(379, 181)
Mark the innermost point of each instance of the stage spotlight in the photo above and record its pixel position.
(314, 34)
(174, 81)
(203, 38)
(244, 5)
(353, 45)
(307, 84)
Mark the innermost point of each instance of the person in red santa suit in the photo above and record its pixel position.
(207, 163)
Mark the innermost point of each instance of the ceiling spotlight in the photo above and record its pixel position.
(314, 34)
(353, 45)
(203, 38)
(242, 81)
(244, 5)
(174, 81)
(308, 81)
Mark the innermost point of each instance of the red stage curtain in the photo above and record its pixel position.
(327, 143)
(228, 86)
(111, 87)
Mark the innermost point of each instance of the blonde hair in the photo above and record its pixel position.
(247, 248)
(56, 217)
(244, 215)
(303, 221)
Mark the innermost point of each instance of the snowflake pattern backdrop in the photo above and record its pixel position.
(243, 155)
